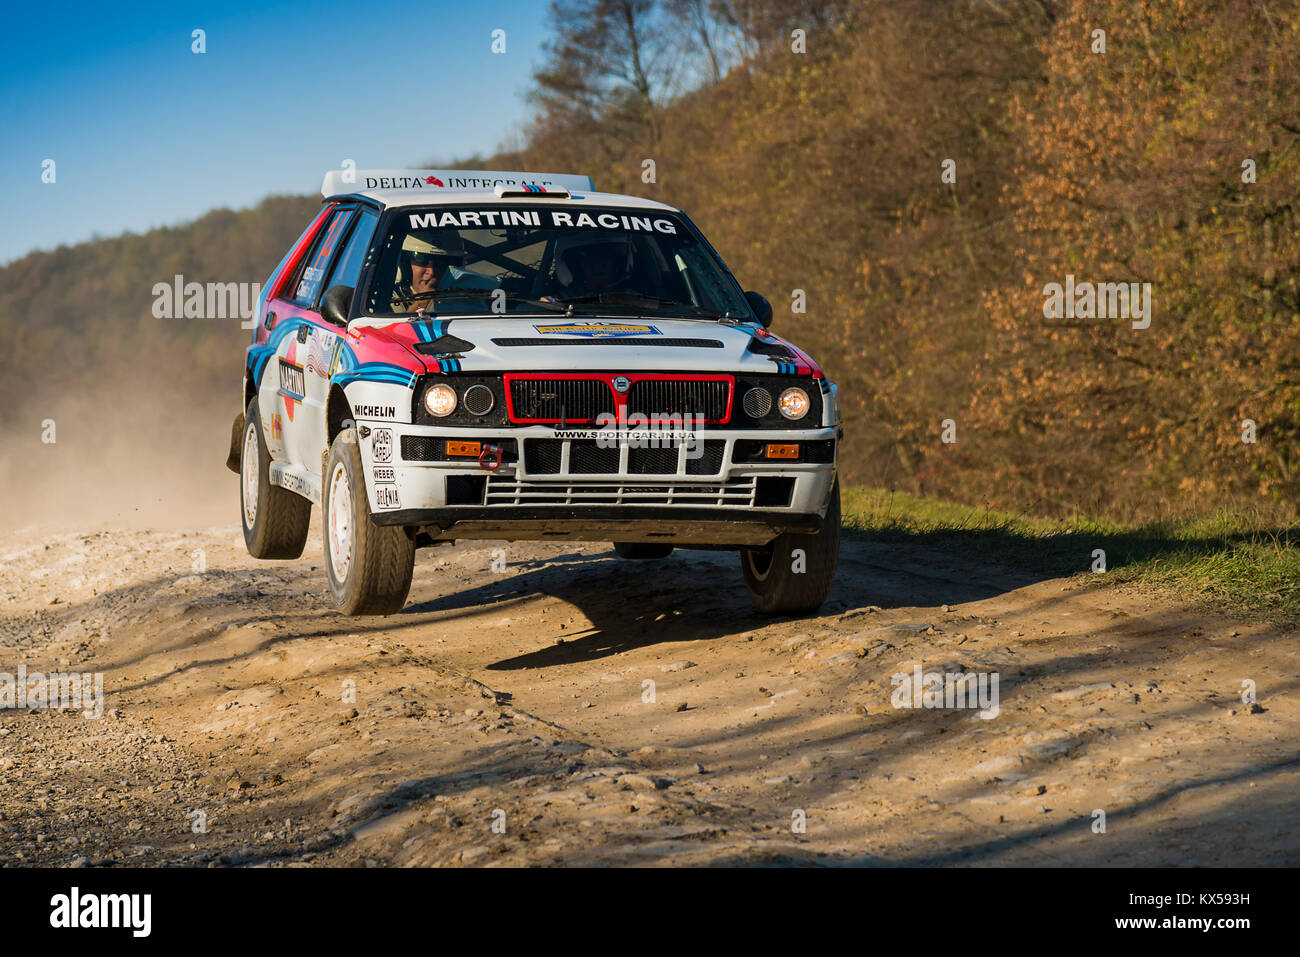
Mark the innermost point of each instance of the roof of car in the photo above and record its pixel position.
(415, 197)
(395, 188)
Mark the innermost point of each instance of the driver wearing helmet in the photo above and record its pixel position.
(424, 265)
(586, 266)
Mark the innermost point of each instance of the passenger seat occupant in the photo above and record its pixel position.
(586, 266)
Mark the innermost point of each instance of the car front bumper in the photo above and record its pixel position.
(731, 503)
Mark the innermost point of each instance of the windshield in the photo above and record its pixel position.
(449, 260)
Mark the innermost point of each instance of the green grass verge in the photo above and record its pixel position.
(1242, 564)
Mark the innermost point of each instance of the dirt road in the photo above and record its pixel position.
(575, 708)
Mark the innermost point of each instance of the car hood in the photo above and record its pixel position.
(562, 343)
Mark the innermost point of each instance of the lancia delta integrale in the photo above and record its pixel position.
(451, 354)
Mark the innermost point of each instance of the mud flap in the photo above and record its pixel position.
(236, 436)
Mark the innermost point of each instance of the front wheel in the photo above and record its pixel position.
(369, 566)
(793, 574)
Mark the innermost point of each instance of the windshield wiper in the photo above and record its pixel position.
(634, 300)
(461, 294)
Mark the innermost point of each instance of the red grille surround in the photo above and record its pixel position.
(584, 400)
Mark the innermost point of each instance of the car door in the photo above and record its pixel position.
(323, 339)
(297, 411)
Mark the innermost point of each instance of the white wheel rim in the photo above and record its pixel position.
(340, 523)
(249, 475)
(753, 565)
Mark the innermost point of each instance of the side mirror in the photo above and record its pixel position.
(337, 303)
(762, 308)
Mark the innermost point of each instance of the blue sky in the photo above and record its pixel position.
(146, 133)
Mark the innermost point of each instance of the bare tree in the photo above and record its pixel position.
(611, 60)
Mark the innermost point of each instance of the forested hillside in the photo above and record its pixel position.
(82, 316)
(918, 172)
(1162, 150)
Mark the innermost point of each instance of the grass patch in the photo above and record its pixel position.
(1244, 564)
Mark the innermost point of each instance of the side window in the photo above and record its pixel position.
(288, 272)
(310, 280)
(348, 268)
(289, 289)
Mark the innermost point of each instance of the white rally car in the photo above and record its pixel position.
(452, 354)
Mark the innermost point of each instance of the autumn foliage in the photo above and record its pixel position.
(810, 141)
(821, 171)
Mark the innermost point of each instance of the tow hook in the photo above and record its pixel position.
(489, 459)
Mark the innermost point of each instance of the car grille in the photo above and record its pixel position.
(583, 400)
(709, 463)
(503, 490)
(542, 456)
(648, 461)
(421, 448)
(428, 448)
(555, 400)
(545, 457)
(588, 458)
(708, 397)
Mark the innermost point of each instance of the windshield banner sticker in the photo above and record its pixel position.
(597, 330)
(554, 218)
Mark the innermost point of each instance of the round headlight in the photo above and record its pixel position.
(440, 400)
(794, 403)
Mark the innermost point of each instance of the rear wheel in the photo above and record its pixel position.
(793, 574)
(275, 519)
(369, 566)
(642, 550)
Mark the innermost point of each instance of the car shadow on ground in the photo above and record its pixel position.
(700, 595)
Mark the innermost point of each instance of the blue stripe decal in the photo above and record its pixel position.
(377, 372)
(785, 366)
(260, 355)
(403, 379)
(342, 359)
(431, 329)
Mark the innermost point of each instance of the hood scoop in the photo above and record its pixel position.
(766, 347)
(443, 345)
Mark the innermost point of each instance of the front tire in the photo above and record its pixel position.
(369, 566)
(779, 582)
(275, 520)
(642, 550)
